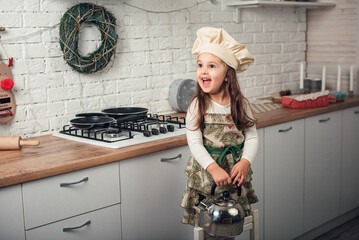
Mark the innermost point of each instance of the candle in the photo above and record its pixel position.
(323, 77)
(301, 77)
(351, 78)
(338, 80)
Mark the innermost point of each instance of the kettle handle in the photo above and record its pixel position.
(214, 185)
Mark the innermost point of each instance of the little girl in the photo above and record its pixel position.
(221, 132)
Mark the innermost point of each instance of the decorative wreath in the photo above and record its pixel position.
(69, 36)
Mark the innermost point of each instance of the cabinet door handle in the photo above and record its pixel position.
(356, 112)
(69, 229)
(285, 130)
(72, 183)
(324, 120)
(169, 159)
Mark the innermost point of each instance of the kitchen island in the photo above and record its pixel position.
(57, 155)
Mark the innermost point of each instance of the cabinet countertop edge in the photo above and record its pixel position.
(56, 156)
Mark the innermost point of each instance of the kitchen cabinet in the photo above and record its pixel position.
(322, 168)
(350, 160)
(283, 180)
(258, 184)
(151, 192)
(11, 213)
(56, 198)
(102, 224)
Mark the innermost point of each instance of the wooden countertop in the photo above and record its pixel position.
(56, 156)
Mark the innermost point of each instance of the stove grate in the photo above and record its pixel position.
(153, 124)
(94, 134)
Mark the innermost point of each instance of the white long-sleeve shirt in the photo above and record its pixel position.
(195, 137)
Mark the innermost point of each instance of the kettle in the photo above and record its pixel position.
(221, 217)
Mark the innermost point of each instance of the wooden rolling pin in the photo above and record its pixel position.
(14, 143)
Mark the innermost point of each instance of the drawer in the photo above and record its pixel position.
(46, 201)
(104, 224)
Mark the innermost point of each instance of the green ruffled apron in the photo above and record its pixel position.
(224, 142)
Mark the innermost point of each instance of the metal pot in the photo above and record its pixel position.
(221, 217)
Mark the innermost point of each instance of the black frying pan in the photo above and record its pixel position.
(125, 111)
(90, 122)
(89, 114)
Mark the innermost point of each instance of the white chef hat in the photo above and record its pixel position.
(219, 43)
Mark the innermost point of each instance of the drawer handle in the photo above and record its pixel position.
(169, 159)
(72, 183)
(324, 120)
(285, 130)
(69, 229)
(356, 112)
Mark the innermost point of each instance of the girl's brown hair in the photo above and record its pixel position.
(238, 103)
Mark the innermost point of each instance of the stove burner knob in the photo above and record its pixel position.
(147, 133)
(170, 128)
(155, 131)
(163, 130)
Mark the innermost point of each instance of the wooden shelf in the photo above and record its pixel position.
(239, 5)
(255, 3)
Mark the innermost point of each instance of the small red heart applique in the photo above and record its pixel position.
(205, 114)
(227, 117)
(237, 137)
(230, 126)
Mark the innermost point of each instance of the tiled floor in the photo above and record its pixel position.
(347, 231)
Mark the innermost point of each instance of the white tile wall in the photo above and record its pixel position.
(153, 50)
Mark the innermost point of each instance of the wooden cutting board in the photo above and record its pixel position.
(7, 99)
(7, 106)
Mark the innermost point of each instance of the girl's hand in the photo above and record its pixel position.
(219, 176)
(239, 171)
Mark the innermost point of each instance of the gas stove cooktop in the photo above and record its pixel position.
(152, 127)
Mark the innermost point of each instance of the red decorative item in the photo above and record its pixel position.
(5, 112)
(290, 102)
(11, 60)
(7, 84)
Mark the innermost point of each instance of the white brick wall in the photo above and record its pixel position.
(153, 50)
